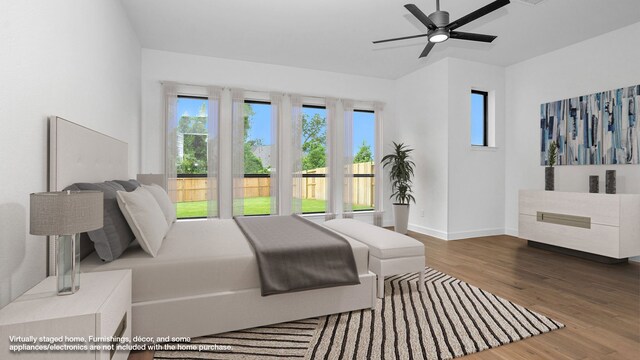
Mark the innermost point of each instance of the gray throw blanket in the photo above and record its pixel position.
(295, 254)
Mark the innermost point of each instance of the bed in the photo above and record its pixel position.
(205, 278)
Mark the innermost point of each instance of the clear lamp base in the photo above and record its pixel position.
(68, 264)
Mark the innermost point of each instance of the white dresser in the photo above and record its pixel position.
(101, 308)
(601, 224)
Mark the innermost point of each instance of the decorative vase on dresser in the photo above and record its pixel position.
(594, 184)
(610, 180)
(549, 177)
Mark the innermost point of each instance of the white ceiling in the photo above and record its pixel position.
(336, 35)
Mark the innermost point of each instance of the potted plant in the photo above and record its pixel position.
(400, 174)
(549, 178)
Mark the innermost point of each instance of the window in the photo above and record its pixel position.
(479, 118)
(364, 134)
(191, 157)
(257, 157)
(314, 159)
(194, 146)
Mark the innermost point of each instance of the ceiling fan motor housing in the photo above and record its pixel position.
(440, 18)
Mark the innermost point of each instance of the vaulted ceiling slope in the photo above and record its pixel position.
(336, 35)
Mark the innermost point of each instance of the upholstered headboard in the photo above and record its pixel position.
(79, 154)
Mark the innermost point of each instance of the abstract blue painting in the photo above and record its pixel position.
(596, 129)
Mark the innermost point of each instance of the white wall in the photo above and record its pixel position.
(76, 59)
(467, 192)
(191, 69)
(459, 189)
(605, 62)
(423, 113)
(476, 174)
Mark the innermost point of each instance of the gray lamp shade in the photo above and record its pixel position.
(65, 213)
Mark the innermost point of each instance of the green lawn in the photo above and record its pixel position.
(253, 206)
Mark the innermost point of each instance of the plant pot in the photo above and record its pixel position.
(549, 179)
(400, 218)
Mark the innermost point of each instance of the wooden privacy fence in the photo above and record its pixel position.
(195, 188)
(191, 189)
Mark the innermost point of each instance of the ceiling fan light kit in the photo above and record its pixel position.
(439, 29)
(438, 35)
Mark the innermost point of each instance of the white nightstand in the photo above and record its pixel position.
(101, 308)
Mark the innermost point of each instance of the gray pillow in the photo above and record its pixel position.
(128, 185)
(113, 238)
(86, 245)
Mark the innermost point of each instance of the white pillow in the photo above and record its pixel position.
(161, 196)
(145, 218)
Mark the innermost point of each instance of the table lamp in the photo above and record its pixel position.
(65, 215)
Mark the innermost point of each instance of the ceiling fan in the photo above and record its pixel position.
(440, 29)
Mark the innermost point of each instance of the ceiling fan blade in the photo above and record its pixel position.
(400, 38)
(426, 50)
(477, 14)
(471, 36)
(421, 16)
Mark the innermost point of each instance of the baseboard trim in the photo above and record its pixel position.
(511, 232)
(475, 233)
(455, 235)
(428, 231)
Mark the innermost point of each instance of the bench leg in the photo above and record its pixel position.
(421, 281)
(380, 286)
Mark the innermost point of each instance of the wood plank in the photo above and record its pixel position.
(599, 303)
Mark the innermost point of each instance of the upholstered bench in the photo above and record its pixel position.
(390, 253)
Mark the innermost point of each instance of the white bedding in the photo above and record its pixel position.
(196, 257)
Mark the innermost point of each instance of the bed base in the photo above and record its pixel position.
(216, 313)
(79, 154)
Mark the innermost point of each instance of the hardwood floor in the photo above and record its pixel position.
(598, 303)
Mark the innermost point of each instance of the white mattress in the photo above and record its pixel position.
(196, 257)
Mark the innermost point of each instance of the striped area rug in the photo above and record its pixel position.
(449, 320)
(286, 340)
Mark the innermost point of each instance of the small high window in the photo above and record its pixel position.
(479, 121)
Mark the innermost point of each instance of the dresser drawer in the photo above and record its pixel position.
(600, 208)
(599, 239)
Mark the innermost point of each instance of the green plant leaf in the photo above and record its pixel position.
(401, 171)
